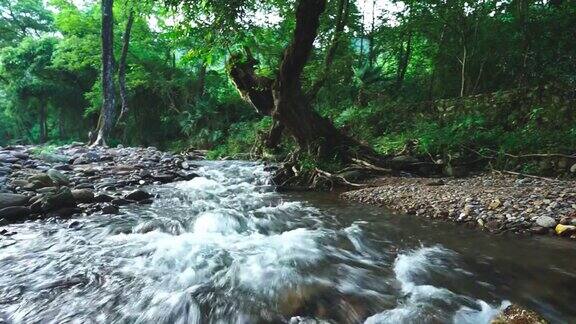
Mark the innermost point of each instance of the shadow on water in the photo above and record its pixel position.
(225, 248)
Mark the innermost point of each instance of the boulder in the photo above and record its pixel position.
(120, 202)
(60, 199)
(9, 200)
(573, 168)
(138, 195)
(39, 180)
(15, 213)
(54, 158)
(103, 198)
(58, 177)
(110, 209)
(19, 183)
(546, 221)
(83, 195)
(163, 177)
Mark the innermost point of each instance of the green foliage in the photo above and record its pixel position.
(439, 78)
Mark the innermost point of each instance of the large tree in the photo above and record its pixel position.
(106, 120)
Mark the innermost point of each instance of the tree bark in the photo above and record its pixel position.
(43, 123)
(341, 19)
(404, 59)
(122, 64)
(256, 90)
(106, 120)
(314, 134)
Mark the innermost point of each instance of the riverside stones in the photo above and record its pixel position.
(15, 213)
(58, 177)
(76, 179)
(83, 195)
(491, 202)
(546, 221)
(137, 195)
(9, 200)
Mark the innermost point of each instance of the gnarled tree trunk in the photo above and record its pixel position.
(106, 120)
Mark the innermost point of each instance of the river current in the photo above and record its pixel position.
(226, 248)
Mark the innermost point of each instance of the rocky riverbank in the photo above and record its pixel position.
(76, 180)
(492, 202)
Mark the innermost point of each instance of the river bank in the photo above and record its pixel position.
(492, 202)
(73, 180)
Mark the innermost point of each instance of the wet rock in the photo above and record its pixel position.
(110, 209)
(19, 183)
(65, 212)
(83, 195)
(74, 224)
(47, 190)
(515, 314)
(539, 230)
(40, 180)
(103, 198)
(54, 201)
(9, 200)
(145, 201)
(163, 177)
(120, 202)
(138, 195)
(546, 221)
(565, 230)
(63, 167)
(54, 158)
(187, 175)
(15, 213)
(58, 177)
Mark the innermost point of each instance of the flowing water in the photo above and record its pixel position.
(225, 248)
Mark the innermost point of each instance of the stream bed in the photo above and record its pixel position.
(226, 248)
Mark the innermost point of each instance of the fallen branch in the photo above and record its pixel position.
(526, 175)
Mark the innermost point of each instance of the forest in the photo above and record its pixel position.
(443, 80)
(288, 161)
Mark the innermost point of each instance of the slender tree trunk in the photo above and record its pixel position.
(43, 123)
(341, 19)
(463, 71)
(201, 81)
(403, 61)
(106, 120)
(436, 59)
(122, 64)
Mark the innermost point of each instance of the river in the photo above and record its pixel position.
(226, 248)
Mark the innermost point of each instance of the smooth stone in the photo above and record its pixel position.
(565, 229)
(103, 198)
(546, 221)
(55, 158)
(65, 212)
(137, 195)
(120, 202)
(83, 195)
(54, 201)
(15, 213)
(110, 209)
(40, 180)
(58, 177)
(9, 200)
(163, 177)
